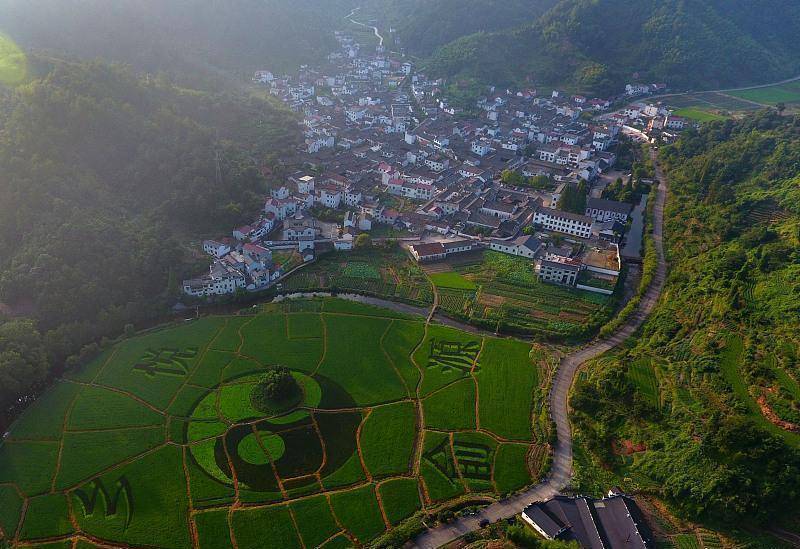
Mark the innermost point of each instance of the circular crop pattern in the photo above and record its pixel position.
(293, 442)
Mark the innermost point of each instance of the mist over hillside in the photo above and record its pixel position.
(195, 39)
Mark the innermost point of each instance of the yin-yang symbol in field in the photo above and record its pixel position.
(316, 436)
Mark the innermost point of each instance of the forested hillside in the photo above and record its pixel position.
(425, 25)
(703, 409)
(596, 46)
(105, 177)
(201, 41)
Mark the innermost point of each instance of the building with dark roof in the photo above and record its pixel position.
(601, 209)
(613, 522)
(436, 251)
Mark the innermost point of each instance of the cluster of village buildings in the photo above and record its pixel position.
(654, 121)
(614, 521)
(384, 152)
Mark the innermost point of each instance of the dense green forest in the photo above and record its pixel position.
(703, 407)
(202, 42)
(424, 25)
(596, 46)
(105, 176)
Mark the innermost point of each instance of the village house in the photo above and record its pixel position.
(217, 249)
(300, 227)
(600, 209)
(523, 246)
(280, 208)
(613, 522)
(563, 222)
(559, 270)
(221, 280)
(437, 251)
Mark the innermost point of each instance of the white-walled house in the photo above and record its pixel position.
(524, 246)
(603, 210)
(481, 147)
(564, 222)
(559, 271)
(221, 280)
(217, 249)
(281, 208)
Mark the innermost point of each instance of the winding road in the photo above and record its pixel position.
(374, 29)
(561, 471)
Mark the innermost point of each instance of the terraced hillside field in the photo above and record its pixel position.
(157, 443)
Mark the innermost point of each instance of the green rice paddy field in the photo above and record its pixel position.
(156, 444)
(710, 106)
(782, 93)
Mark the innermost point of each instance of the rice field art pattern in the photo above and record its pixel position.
(156, 443)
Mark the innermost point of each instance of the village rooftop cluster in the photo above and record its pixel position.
(384, 153)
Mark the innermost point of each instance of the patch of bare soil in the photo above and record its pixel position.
(627, 447)
(772, 417)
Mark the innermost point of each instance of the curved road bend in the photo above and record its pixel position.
(374, 29)
(561, 470)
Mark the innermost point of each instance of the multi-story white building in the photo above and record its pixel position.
(352, 197)
(559, 270)
(300, 228)
(328, 196)
(564, 222)
(305, 185)
(217, 249)
(281, 208)
(481, 147)
(409, 189)
(603, 210)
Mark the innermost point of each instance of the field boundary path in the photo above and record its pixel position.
(561, 471)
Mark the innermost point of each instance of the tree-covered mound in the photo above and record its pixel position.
(703, 408)
(104, 178)
(276, 391)
(596, 46)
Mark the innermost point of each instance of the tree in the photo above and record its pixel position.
(541, 182)
(514, 179)
(277, 386)
(363, 241)
(23, 360)
(573, 200)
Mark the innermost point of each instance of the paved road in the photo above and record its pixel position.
(561, 470)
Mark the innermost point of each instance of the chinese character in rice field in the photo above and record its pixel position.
(452, 355)
(173, 362)
(439, 456)
(97, 492)
(474, 460)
